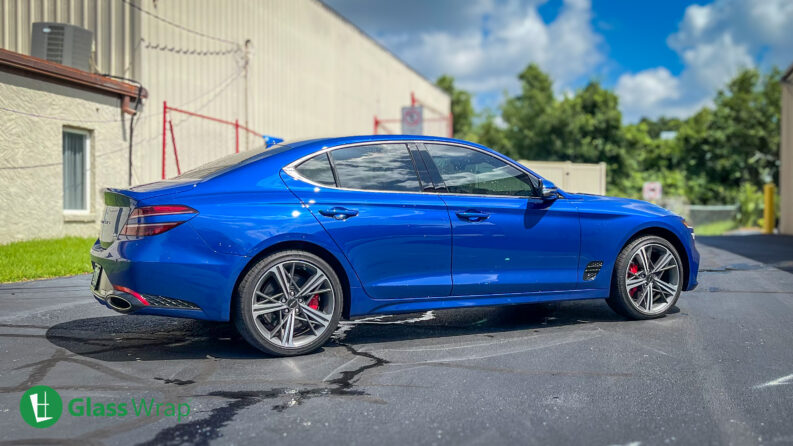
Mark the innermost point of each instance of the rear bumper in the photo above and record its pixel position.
(170, 274)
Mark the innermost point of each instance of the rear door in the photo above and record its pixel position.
(370, 199)
(505, 239)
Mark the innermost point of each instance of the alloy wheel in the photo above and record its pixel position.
(293, 303)
(652, 278)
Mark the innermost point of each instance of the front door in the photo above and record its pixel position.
(505, 238)
(397, 238)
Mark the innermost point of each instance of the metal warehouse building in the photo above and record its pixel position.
(286, 68)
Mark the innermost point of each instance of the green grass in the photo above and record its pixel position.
(715, 228)
(38, 259)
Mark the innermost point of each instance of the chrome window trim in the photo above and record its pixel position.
(291, 168)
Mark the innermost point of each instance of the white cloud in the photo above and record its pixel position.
(713, 63)
(647, 88)
(714, 41)
(488, 58)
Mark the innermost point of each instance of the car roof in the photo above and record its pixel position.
(342, 140)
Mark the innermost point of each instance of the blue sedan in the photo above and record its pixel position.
(288, 240)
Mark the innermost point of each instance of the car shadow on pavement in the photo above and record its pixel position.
(155, 338)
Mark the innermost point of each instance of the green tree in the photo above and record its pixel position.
(488, 133)
(738, 141)
(587, 128)
(528, 115)
(462, 110)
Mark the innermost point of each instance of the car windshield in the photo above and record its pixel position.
(235, 159)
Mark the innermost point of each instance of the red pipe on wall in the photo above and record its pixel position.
(164, 119)
(236, 136)
(175, 153)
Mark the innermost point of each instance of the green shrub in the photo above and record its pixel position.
(750, 205)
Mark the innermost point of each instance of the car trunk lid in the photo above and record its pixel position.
(119, 203)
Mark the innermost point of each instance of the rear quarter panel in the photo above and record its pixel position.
(248, 211)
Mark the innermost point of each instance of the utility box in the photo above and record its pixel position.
(62, 43)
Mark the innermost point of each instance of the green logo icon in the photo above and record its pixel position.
(41, 406)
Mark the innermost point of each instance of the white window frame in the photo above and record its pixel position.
(87, 135)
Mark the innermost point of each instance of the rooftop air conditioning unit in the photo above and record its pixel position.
(62, 43)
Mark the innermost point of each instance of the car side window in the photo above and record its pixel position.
(317, 170)
(469, 171)
(383, 167)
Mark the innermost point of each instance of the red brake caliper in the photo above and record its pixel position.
(313, 303)
(633, 269)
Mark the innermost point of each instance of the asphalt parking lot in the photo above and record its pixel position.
(718, 370)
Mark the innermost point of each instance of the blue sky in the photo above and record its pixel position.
(664, 57)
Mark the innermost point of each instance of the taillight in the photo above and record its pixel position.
(161, 209)
(139, 223)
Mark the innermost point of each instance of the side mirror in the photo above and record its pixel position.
(548, 190)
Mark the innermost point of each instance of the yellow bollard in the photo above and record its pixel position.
(769, 217)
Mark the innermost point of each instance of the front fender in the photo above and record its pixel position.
(603, 235)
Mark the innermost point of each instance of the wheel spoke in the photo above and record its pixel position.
(278, 327)
(644, 259)
(633, 283)
(265, 308)
(666, 268)
(289, 330)
(292, 276)
(666, 287)
(270, 298)
(649, 302)
(311, 284)
(316, 316)
(642, 296)
(659, 265)
(282, 278)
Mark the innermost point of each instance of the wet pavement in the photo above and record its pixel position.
(718, 370)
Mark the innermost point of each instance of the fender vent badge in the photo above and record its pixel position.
(592, 269)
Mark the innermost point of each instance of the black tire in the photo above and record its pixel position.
(244, 295)
(620, 300)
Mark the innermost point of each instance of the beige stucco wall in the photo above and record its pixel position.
(786, 158)
(587, 178)
(31, 198)
(309, 71)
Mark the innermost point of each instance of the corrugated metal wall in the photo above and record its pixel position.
(309, 72)
(110, 20)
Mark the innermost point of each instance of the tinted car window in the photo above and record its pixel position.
(317, 170)
(468, 171)
(386, 167)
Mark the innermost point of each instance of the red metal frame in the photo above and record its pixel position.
(167, 122)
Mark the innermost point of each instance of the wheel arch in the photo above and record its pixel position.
(669, 236)
(312, 248)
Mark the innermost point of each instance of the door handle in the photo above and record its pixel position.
(339, 213)
(473, 215)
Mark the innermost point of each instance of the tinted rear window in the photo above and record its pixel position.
(384, 167)
(317, 170)
(213, 167)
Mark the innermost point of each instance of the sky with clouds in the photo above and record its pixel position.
(662, 58)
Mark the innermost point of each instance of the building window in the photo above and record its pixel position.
(76, 166)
